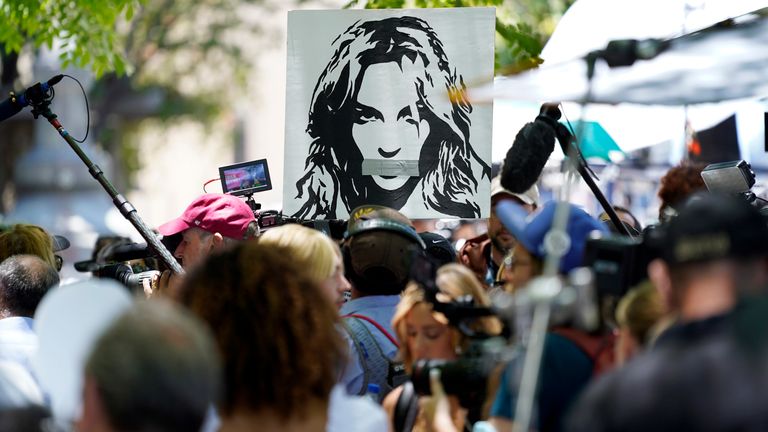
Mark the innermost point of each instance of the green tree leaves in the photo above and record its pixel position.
(84, 30)
(522, 26)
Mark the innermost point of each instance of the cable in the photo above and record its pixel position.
(87, 109)
(209, 182)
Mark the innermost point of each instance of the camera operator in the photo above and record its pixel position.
(707, 372)
(426, 334)
(571, 356)
(210, 223)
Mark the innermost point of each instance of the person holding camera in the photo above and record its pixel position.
(426, 334)
(707, 371)
(211, 223)
(571, 356)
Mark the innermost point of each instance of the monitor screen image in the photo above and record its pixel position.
(245, 178)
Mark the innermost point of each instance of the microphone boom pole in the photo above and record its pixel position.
(41, 107)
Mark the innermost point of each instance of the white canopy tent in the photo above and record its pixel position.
(632, 126)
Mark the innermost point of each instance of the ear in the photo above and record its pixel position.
(217, 242)
(658, 273)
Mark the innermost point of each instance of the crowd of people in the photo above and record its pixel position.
(290, 329)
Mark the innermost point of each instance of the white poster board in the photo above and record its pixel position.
(376, 112)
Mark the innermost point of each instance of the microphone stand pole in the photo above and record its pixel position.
(581, 167)
(41, 107)
(547, 287)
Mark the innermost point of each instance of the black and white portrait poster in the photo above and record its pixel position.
(376, 112)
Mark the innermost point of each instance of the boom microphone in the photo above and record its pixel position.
(530, 151)
(15, 103)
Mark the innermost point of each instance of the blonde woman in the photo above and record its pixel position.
(25, 239)
(426, 334)
(638, 315)
(316, 254)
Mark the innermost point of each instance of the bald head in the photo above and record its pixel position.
(24, 280)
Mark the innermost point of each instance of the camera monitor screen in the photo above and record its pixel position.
(245, 178)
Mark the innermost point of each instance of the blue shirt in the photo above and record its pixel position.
(380, 308)
(18, 341)
(565, 372)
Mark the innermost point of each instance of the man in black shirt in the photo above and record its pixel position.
(707, 372)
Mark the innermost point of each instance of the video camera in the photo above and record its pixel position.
(735, 177)
(247, 178)
(619, 263)
(127, 262)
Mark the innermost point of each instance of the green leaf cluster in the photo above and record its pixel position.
(522, 26)
(83, 30)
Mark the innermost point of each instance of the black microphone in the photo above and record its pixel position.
(625, 52)
(34, 94)
(530, 151)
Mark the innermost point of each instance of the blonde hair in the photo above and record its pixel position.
(25, 239)
(639, 311)
(314, 251)
(453, 281)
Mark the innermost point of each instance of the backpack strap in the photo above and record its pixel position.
(362, 354)
(377, 325)
(376, 365)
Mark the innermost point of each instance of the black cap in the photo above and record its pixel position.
(438, 247)
(712, 226)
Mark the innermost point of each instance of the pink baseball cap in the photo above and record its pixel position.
(225, 214)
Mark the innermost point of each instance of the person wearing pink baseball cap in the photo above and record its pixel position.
(210, 223)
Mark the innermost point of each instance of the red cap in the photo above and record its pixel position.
(225, 214)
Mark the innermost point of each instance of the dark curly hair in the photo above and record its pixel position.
(275, 330)
(679, 183)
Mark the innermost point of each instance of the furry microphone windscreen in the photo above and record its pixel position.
(526, 158)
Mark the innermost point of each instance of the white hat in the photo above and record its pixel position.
(529, 197)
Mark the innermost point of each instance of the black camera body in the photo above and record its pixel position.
(466, 377)
(124, 273)
(619, 263)
(127, 262)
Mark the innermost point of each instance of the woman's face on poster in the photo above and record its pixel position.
(387, 123)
